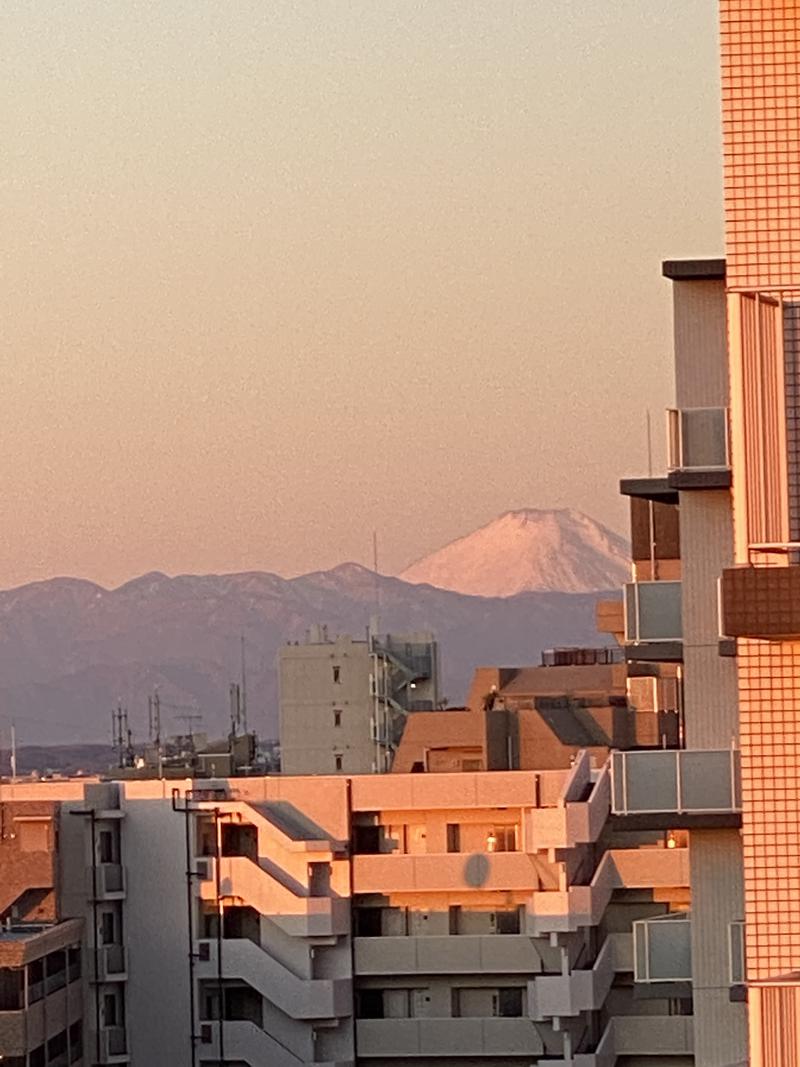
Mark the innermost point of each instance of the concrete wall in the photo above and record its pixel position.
(310, 695)
(157, 922)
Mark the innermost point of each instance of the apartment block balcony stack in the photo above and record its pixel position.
(272, 961)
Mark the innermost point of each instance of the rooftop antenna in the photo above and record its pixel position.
(190, 718)
(243, 704)
(13, 752)
(154, 725)
(122, 736)
(376, 622)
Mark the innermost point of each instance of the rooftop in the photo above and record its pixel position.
(694, 270)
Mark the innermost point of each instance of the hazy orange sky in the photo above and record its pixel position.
(275, 274)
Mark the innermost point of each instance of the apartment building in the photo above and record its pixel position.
(734, 470)
(344, 702)
(497, 918)
(761, 136)
(682, 540)
(41, 993)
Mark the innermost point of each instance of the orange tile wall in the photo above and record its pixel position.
(761, 132)
(760, 42)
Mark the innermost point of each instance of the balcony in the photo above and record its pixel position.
(106, 881)
(113, 1045)
(111, 964)
(298, 915)
(392, 873)
(299, 998)
(689, 788)
(698, 448)
(454, 954)
(662, 949)
(653, 626)
(761, 602)
(569, 995)
(403, 1038)
(245, 1042)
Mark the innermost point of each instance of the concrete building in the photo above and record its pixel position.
(343, 702)
(761, 137)
(41, 992)
(449, 919)
(682, 538)
(734, 468)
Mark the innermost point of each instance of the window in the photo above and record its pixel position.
(11, 989)
(507, 1003)
(502, 839)
(507, 922)
(368, 922)
(107, 928)
(35, 981)
(37, 1057)
(337, 718)
(105, 847)
(369, 1004)
(454, 918)
(75, 1041)
(337, 761)
(110, 1009)
(337, 675)
(57, 1045)
(33, 836)
(453, 837)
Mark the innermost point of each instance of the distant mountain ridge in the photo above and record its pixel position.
(529, 550)
(70, 649)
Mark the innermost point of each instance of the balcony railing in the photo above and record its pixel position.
(682, 781)
(652, 612)
(662, 949)
(698, 441)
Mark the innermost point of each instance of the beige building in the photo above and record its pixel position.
(343, 702)
(450, 919)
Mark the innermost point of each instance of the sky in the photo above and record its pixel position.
(278, 274)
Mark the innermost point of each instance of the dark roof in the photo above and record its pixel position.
(657, 489)
(694, 270)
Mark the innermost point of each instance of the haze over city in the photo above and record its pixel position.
(277, 275)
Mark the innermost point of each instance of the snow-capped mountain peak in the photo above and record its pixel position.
(529, 550)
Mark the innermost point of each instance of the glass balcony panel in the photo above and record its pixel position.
(654, 784)
(706, 781)
(670, 950)
(698, 439)
(653, 611)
